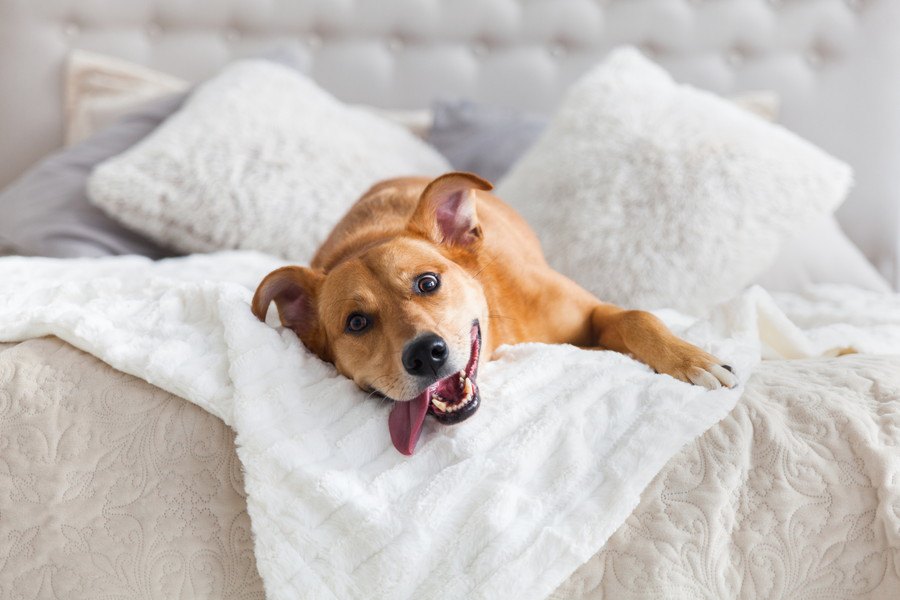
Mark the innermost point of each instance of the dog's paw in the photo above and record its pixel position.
(693, 365)
(713, 376)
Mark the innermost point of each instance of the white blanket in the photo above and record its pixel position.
(507, 504)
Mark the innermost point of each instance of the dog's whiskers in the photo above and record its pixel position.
(499, 316)
(375, 391)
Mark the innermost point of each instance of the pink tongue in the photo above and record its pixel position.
(406, 422)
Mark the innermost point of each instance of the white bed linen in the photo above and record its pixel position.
(509, 504)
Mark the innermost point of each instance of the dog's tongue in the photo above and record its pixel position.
(406, 422)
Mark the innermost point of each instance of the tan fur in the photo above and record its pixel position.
(493, 270)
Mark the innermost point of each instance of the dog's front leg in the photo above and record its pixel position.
(647, 339)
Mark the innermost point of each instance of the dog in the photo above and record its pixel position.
(422, 279)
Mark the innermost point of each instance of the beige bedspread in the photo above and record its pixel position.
(789, 497)
(110, 487)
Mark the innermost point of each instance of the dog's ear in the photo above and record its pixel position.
(294, 291)
(446, 210)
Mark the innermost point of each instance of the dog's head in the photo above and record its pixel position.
(402, 318)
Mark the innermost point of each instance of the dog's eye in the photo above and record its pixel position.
(357, 323)
(427, 283)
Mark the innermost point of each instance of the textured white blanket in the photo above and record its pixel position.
(507, 504)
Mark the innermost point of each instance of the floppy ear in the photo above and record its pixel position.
(294, 290)
(446, 210)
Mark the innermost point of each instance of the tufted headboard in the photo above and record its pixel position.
(835, 63)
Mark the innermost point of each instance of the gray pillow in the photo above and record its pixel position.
(46, 211)
(485, 140)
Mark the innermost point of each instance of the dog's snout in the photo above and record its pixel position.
(425, 355)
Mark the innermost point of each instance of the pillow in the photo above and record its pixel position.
(488, 140)
(100, 89)
(654, 194)
(485, 140)
(46, 212)
(258, 158)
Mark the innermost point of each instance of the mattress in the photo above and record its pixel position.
(112, 487)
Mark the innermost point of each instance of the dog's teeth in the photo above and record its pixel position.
(466, 394)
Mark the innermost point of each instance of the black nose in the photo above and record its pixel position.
(425, 355)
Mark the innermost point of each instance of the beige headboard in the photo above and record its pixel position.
(835, 63)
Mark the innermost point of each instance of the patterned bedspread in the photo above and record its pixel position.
(110, 487)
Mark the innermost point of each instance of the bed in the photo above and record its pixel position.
(113, 486)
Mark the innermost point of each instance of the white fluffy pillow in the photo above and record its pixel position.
(258, 158)
(653, 194)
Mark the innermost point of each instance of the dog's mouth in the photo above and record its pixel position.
(451, 400)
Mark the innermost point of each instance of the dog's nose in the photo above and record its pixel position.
(425, 355)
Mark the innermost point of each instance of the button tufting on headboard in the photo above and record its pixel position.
(835, 63)
(736, 57)
(395, 44)
(314, 41)
(815, 57)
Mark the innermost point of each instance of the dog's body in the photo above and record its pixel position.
(421, 280)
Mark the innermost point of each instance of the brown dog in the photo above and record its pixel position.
(421, 280)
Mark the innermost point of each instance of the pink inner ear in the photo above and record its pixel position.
(455, 215)
(295, 308)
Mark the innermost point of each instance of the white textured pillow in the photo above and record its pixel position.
(653, 194)
(258, 158)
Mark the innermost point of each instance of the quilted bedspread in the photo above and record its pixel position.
(306, 499)
(794, 495)
(112, 487)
